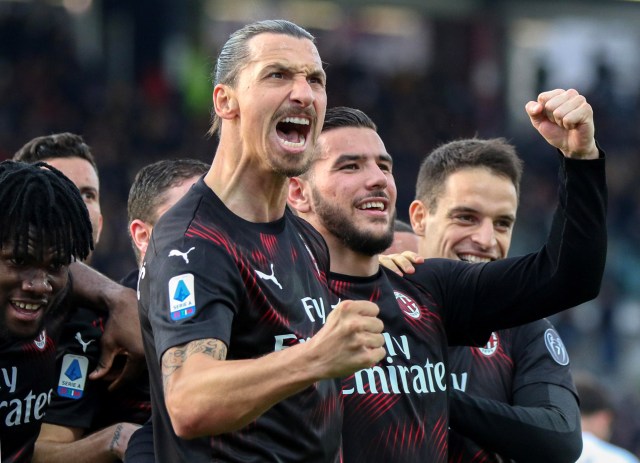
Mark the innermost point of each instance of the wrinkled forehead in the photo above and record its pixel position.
(271, 49)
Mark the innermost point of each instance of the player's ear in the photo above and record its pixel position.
(100, 220)
(418, 214)
(140, 234)
(298, 195)
(225, 103)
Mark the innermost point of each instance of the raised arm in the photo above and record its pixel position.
(565, 120)
(568, 269)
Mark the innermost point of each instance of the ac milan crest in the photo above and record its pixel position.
(492, 345)
(407, 305)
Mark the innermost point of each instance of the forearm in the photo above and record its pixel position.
(104, 446)
(209, 396)
(566, 272)
(542, 425)
(93, 289)
(122, 331)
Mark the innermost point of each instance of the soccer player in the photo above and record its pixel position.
(513, 398)
(44, 226)
(84, 421)
(231, 277)
(69, 153)
(156, 188)
(398, 410)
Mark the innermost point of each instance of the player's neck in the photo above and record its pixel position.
(249, 192)
(348, 262)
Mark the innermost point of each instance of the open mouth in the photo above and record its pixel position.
(293, 131)
(373, 206)
(474, 259)
(26, 310)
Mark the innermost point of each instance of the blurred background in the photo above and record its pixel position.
(132, 77)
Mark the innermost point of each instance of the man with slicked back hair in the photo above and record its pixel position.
(234, 301)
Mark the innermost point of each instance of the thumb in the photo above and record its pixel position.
(105, 363)
(535, 111)
(533, 108)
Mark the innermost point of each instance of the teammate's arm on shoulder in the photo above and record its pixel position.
(175, 357)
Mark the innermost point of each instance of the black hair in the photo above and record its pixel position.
(148, 190)
(494, 154)
(42, 206)
(235, 53)
(152, 181)
(342, 116)
(57, 145)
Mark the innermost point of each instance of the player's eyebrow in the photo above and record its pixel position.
(350, 157)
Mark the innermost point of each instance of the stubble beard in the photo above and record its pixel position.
(338, 224)
(291, 165)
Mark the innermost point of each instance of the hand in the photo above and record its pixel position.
(350, 340)
(565, 120)
(122, 337)
(401, 263)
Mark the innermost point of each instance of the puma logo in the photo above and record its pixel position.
(82, 343)
(271, 277)
(175, 252)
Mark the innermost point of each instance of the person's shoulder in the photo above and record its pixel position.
(434, 268)
(416, 285)
(308, 233)
(534, 328)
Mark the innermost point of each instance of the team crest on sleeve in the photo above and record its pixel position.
(492, 345)
(555, 346)
(407, 305)
(182, 301)
(73, 376)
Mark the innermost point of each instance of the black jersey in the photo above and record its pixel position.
(511, 359)
(399, 407)
(27, 377)
(82, 403)
(258, 287)
(397, 410)
(26, 384)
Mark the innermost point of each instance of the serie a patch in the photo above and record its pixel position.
(182, 301)
(73, 376)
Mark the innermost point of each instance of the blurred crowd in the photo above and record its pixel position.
(44, 88)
